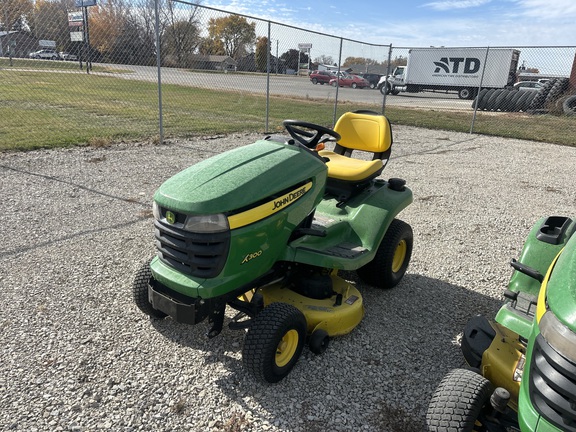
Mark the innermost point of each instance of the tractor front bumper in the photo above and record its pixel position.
(182, 309)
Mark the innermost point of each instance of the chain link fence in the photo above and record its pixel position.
(73, 71)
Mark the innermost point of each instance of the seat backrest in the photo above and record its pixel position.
(365, 131)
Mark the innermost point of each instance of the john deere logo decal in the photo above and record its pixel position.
(170, 217)
(267, 209)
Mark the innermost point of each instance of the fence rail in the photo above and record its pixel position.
(169, 67)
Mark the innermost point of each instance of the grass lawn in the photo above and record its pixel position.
(43, 110)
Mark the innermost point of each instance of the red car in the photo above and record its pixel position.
(353, 81)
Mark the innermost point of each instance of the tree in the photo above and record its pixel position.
(13, 14)
(359, 60)
(291, 57)
(235, 33)
(182, 35)
(106, 23)
(49, 21)
(181, 40)
(262, 54)
(324, 59)
(209, 46)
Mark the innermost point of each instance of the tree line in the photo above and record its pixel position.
(123, 31)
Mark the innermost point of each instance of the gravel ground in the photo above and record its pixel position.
(76, 354)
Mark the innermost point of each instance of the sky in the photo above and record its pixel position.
(423, 23)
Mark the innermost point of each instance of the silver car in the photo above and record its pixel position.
(45, 54)
(528, 85)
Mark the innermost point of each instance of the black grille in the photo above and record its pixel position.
(195, 254)
(553, 385)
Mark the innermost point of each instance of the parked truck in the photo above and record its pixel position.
(461, 70)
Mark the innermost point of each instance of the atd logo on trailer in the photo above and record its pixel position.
(469, 65)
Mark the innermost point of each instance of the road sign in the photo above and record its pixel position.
(76, 36)
(84, 3)
(75, 19)
(304, 46)
(47, 44)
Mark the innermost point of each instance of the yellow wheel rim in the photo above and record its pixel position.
(286, 348)
(399, 256)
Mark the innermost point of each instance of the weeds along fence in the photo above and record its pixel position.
(170, 68)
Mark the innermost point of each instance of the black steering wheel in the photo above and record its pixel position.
(307, 138)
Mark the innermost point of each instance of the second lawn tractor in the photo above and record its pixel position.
(522, 373)
(264, 229)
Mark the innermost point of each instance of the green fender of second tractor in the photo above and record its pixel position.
(352, 232)
(546, 239)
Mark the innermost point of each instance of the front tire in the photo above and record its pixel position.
(354, 85)
(140, 292)
(457, 404)
(389, 265)
(274, 342)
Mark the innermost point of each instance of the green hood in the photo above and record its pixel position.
(238, 178)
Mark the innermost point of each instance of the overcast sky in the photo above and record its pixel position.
(424, 23)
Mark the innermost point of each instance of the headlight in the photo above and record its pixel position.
(558, 336)
(206, 224)
(156, 211)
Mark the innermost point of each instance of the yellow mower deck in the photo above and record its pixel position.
(337, 315)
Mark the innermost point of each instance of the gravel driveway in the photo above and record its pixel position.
(76, 354)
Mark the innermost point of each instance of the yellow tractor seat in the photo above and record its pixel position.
(348, 169)
(361, 131)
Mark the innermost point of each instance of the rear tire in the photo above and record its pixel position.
(457, 404)
(465, 93)
(140, 292)
(274, 342)
(389, 265)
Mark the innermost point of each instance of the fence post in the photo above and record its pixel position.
(479, 90)
(158, 66)
(337, 84)
(268, 78)
(386, 82)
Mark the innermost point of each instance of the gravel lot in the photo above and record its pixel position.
(78, 356)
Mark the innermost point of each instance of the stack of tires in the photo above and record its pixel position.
(506, 100)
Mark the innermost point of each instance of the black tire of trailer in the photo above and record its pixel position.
(466, 93)
(569, 106)
(385, 89)
(490, 103)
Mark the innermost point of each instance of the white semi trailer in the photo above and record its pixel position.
(461, 70)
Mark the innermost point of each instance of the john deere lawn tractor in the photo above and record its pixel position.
(264, 230)
(522, 373)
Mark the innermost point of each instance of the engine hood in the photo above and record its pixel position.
(239, 178)
(561, 288)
